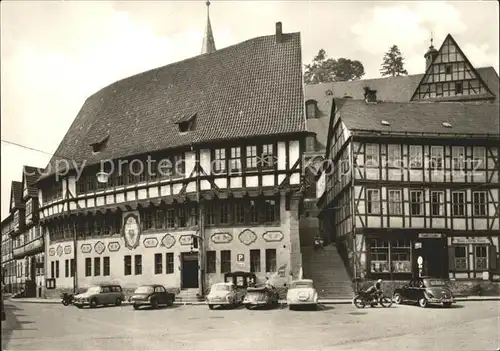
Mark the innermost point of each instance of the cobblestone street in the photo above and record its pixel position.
(467, 326)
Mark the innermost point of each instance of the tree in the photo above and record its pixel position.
(393, 64)
(324, 70)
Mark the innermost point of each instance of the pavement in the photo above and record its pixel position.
(467, 326)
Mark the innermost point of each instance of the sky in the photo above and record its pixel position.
(56, 54)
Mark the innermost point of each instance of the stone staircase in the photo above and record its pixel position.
(188, 295)
(326, 268)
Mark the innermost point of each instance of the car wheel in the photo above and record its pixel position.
(211, 307)
(291, 307)
(154, 304)
(93, 303)
(79, 306)
(136, 307)
(118, 302)
(397, 298)
(247, 306)
(446, 304)
(422, 302)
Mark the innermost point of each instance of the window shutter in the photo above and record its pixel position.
(493, 257)
(451, 258)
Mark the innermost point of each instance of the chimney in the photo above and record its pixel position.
(279, 32)
(370, 95)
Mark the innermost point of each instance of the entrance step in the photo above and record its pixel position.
(188, 295)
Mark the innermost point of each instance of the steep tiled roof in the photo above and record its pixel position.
(31, 175)
(16, 189)
(250, 89)
(423, 118)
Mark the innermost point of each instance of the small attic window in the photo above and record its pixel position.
(100, 145)
(311, 109)
(186, 124)
(446, 125)
(385, 123)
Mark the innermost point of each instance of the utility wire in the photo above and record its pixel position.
(35, 149)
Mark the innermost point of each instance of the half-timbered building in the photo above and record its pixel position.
(197, 163)
(8, 263)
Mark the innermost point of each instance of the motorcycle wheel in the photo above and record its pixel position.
(358, 301)
(385, 302)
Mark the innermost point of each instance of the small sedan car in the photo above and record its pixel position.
(261, 296)
(103, 294)
(153, 296)
(425, 291)
(302, 293)
(224, 294)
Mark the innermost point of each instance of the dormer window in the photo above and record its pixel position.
(186, 123)
(446, 125)
(385, 123)
(370, 95)
(311, 109)
(100, 145)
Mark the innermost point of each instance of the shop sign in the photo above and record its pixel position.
(469, 240)
(240, 259)
(430, 235)
(36, 244)
(418, 245)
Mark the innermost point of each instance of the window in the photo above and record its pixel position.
(270, 208)
(66, 268)
(97, 266)
(379, 256)
(52, 270)
(251, 157)
(253, 212)
(416, 202)
(459, 88)
(416, 156)
(57, 269)
(373, 201)
(458, 156)
(170, 218)
(210, 213)
(436, 161)
(458, 203)
(88, 267)
(158, 263)
(268, 160)
(169, 257)
(461, 258)
(159, 219)
(106, 266)
(211, 260)
(181, 216)
(394, 155)
(235, 162)
(400, 256)
(395, 204)
(225, 261)
(437, 203)
(147, 219)
(239, 213)
(371, 156)
(138, 264)
(255, 261)
(479, 200)
(311, 109)
(127, 260)
(480, 258)
(448, 69)
(310, 143)
(270, 260)
(479, 156)
(224, 212)
(179, 165)
(220, 160)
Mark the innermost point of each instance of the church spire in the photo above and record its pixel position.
(208, 45)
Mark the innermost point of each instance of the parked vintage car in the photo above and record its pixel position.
(302, 293)
(103, 294)
(225, 294)
(153, 295)
(425, 291)
(261, 296)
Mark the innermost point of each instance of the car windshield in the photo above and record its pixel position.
(94, 289)
(301, 285)
(221, 287)
(434, 282)
(143, 290)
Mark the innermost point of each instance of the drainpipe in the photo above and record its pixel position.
(353, 215)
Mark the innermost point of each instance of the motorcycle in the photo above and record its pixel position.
(67, 299)
(363, 299)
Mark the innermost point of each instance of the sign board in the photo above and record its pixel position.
(430, 235)
(470, 240)
(240, 259)
(420, 260)
(418, 245)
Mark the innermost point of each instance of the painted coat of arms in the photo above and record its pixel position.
(131, 231)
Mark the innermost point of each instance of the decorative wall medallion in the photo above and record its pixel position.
(60, 250)
(282, 270)
(221, 238)
(150, 242)
(186, 239)
(273, 236)
(52, 251)
(67, 249)
(86, 248)
(99, 247)
(168, 241)
(113, 246)
(131, 231)
(247, 237)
